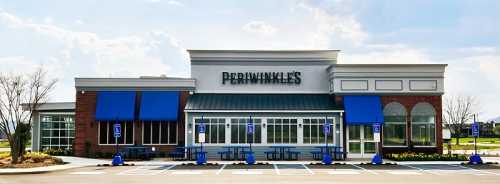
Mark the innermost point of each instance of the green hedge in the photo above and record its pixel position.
(410, 156)
(59, 152)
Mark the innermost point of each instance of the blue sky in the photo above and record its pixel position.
(95, 38)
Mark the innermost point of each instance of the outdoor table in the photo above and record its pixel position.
(282, 149)
(190, 150)
(329, 150)
(236, 151)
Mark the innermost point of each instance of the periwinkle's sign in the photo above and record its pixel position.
(261, 78)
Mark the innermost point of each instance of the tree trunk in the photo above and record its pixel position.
(457, 138)
(20, 138)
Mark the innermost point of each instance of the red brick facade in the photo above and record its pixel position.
(409, 102)
(86, 128)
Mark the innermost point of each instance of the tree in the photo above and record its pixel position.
(457, 111)
(20, 95)
(496, 131)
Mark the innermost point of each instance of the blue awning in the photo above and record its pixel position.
(115, 105)
(159, 106)
(363, 110)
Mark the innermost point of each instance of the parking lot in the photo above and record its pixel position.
(270, 173)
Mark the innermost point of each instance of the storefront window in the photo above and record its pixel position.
(215, 132)
(313, 131)
(394, 129)
(239, 131)
(282, 131)
(423, 125)
(159, 132)
(106, 132)
(57, 131)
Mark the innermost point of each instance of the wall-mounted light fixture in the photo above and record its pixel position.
(190, 125)
(228, 125)
(263, 125)
(300, 125)
(83, 92)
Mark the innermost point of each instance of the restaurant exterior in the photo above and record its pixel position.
(286, 95)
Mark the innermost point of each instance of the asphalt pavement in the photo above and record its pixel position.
(407, 173)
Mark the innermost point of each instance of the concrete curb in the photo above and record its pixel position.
(38, 170)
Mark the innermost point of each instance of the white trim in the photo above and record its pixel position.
(160, 134)
(277, 111)
(56, 113)
(59, 129)
(107, 133)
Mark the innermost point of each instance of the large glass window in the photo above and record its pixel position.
(215, 132)
(57, 131)
(281, 131)
(423, 125)
(394, 129)
(313, 131)
(159, 132)
(106, 132)
(239, 131)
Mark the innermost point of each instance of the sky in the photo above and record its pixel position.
(131, 38)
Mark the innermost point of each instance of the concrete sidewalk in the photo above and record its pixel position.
(71, 162)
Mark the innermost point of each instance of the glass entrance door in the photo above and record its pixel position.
(360, 141)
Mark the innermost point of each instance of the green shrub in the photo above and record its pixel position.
(410, 156)
(59, 152)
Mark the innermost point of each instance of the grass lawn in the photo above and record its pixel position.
(479, 140)
(4, 144)
(470, 147)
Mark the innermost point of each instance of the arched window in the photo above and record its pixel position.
(394, 125)
(423, 125)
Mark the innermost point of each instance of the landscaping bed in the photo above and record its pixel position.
(425, 157)
(32, 159)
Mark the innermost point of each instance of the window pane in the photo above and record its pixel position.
(222, 131)
(286, 131)
(368, 134)
(103, 130)
(354, 132)
(423, 133)
(306, 133)
(394, 133)
(213, 131)
(196, 128)
(147, 133)
(234, 131)
(156, 133)
(172, 136)
(111, 138)
(278, 133)
(164, 132)
(270, 131)
(129, 133)
(314, 134)
(293, 131)
(257, 133)
(242, 131)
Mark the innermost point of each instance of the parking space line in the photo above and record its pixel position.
(276, 169)
(145, 170)
(221, 169)
(88, 172)
(423, 170)
(477, 170)
(187, 172)
(404, 172)
(359, 167)
(343, 172)
(247, 172)
(308, 170)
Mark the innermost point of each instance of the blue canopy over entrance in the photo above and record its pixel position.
(159, 106)
(363, 110)
(115, 105)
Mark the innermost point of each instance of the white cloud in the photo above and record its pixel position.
(259, 27)
(333, 24)
(48, 20)
(79, 54)
(79, 22)
(170, 2)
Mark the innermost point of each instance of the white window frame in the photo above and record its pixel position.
(40, 146)
(107, 134)
(334, 116)
(435, 133)
(406, 136)
(209, 136)
(246, 137)
(160, 133)
(332, 132)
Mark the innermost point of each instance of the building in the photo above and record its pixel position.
(54, 126)
(288, 95)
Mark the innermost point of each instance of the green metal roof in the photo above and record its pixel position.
(261, 102)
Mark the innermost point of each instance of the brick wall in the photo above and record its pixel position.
(86, 128)
(409, 102)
